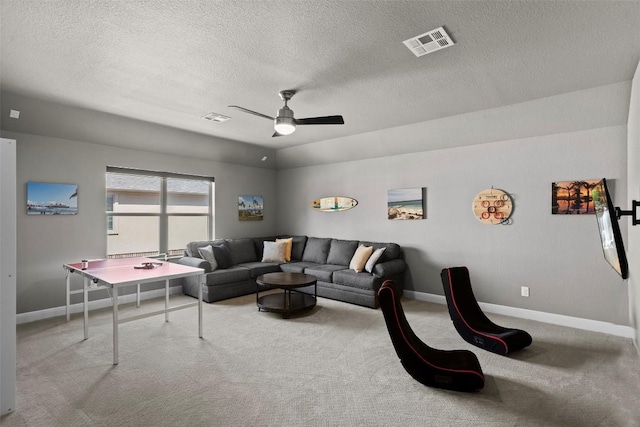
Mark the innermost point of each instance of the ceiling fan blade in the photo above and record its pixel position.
(326, 120)
(255, 113)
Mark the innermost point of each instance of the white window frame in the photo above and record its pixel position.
(163, 215)
(114, 223)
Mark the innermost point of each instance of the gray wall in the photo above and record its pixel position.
(45, 243)
(46, 118)
(633, 147)
(593, 108)
(558, 257)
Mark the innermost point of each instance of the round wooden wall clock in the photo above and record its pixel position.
(492, 206)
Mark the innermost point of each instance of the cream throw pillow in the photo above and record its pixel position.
(360, 258)
(206, 253)
(274, 252)
(373, 259)
(289, 242)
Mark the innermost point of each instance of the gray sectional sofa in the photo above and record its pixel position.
(326, 258)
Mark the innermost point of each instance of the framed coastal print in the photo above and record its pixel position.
(406, 203)
(250, 208)
(46, 198)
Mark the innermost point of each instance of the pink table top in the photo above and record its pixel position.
(121, 272)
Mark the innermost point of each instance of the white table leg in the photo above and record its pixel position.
(115, 325)
(138, 296)
(68, 280)
(202, 283)
(166, 300)
(86, 307)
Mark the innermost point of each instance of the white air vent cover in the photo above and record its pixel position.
(215, 117)
(429, 42)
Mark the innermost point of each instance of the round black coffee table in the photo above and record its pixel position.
(291, 299)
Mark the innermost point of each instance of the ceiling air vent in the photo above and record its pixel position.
(215, 117)
(429, 42)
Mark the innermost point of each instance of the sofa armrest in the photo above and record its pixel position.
(389, 268)
(195, 262)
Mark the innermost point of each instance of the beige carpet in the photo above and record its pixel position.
(332, 366)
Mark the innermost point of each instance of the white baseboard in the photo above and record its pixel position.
(522, 313)
(540, 316)
(32, 316)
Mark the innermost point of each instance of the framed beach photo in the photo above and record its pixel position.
(46, 198)
(406, 203)
(250, 208)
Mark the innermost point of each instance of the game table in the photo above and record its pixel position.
(114, 274)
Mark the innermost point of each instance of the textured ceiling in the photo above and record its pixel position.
(171, 62)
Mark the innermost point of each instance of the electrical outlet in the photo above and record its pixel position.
(524, 291)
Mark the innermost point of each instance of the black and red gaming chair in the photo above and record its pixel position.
(449, 369)
(469, 320)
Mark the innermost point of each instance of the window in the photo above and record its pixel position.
(152, 213)
(110, 220)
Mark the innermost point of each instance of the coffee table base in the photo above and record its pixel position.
(286, 302)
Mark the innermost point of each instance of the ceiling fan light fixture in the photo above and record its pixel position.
(284, 122)
(285, 125)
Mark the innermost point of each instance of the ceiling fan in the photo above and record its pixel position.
(285, 124)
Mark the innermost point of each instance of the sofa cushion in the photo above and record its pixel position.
(229, 275)
(357, 280)
(324, 273)
(258, 268)
(297, 249)
(360, 258)
(316, 250)
(274, 252)
(242, 250)
(341, 251)
(206, 253)
(222, 253)
(297, 267)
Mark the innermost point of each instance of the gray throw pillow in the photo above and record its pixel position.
(222, 253)
(206, 253)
